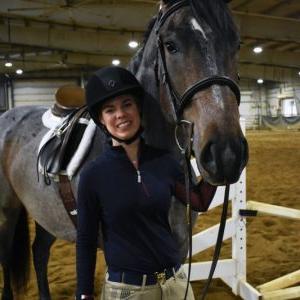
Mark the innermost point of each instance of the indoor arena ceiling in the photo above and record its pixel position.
(39, 35)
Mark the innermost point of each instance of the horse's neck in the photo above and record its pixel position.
(143, 67)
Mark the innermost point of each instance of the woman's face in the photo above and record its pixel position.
(121, 116)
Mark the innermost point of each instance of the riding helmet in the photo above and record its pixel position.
(107, 83)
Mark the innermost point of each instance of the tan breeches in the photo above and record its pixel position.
(173, 289)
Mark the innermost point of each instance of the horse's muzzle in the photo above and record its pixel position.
(222, 162)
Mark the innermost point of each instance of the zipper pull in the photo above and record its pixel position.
(139, 178)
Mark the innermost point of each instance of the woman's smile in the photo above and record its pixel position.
(124, 124)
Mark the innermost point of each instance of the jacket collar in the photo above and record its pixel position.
(119, 152)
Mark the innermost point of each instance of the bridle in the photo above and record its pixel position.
(179, 103)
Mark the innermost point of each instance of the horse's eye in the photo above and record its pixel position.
(171, 47)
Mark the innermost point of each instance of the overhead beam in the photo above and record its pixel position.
(113, 16)
(271, 57)
(135, 16)
(240, 5)
(84, 39)
(271, 73)
(268, 27)
(92, 41)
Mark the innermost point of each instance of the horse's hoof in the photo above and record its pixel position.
(45, 297)
(7, 296)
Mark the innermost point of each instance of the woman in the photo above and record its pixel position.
(128, 190)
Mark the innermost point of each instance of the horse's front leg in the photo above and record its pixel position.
(7, 293)
(41, 251)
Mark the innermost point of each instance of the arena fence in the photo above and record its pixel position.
(233, 270)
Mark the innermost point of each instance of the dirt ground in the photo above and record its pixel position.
(273, 244)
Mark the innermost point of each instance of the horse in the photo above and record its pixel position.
(188, 67)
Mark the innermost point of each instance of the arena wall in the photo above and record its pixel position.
(269, 99)
(38, 91)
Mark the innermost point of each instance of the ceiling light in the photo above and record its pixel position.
(258, 50)
(16, 55)
(260, 81)
(30, 54)
(8, 64)
(116, 62)
(19, 71)
(133, 44)
(299, 73)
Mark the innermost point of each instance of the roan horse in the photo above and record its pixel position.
(188, 42)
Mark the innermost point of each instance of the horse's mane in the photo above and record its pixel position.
(136, 59)
(149, 30)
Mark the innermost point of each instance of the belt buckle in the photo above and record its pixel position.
(161, 277)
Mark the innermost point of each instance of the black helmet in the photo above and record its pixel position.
(107, 83)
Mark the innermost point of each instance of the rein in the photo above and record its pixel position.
(179, 103)
(185, 151)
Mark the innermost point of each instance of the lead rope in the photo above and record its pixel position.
(189, 217)
(186, 153)
(218, 243)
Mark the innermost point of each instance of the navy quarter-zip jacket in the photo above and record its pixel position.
(132, 206)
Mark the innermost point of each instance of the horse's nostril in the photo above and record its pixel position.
(207, 158)
(245, 152)
(224, 161)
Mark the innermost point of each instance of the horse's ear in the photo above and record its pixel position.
(163, 4)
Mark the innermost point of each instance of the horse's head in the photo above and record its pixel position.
(193, 50)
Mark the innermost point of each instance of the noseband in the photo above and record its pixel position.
(179, 104)
(181, 101)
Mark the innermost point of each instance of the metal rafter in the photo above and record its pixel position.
(241, 4)
(283, 7)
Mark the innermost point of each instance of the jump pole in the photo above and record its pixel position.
(289, 293)
(281, 282)
(273, 210)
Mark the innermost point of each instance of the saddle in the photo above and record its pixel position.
(64, 147)
(67, 99)
(60, 145)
